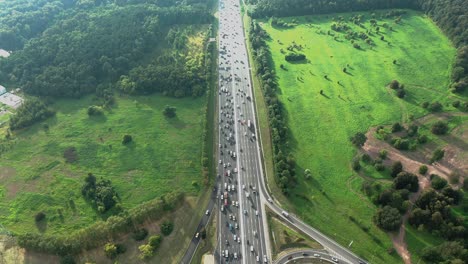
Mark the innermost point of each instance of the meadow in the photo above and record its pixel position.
(164, 156)
(326, 104)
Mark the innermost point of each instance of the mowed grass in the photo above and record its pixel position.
(165, 156)
(320, 125)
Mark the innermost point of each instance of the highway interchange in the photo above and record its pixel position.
(240, 194)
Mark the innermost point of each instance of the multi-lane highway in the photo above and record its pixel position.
(241, 226)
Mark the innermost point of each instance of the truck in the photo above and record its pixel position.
(249, 123)
(286, 214)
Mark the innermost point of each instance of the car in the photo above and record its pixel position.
(237, 226)
(197, 235)
(220, 161)
(362, 261)
(237, 204)
(317, 255)
(238, 239)
(207, 212)
(222, 208)
(256, 212)
(235, 238)
(245, 212)
(233, 218)
(258, 258)
(243, 186)
(334, 259)
(230, 216)
(227, 242)
(235, 255)
(251, 249)
(265, 259)
(269, 200)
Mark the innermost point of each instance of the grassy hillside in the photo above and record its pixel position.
(352, 101)
(163, 157)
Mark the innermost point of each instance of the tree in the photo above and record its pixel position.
(406, 180)
(400, 93)
(439, 128)
(111, 250)
(388, 218)
(146, 251)
(167, 227)
(437, 155)
(358, 139)
(140, 234)
(95, 110)
(396, 168)
(435, 107)
(437, 182)
(169, 111)
(423, 169)
(154, 241)
(127, 139)
(396, 127)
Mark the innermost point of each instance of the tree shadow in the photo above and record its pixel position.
(176, 122)
(42, 225)
(348, 73)
(97, 118)
(324, 95)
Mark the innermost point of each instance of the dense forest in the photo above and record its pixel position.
(451, 16)
(80, 45)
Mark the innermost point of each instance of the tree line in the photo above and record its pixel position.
(284, 162)
(450, 16)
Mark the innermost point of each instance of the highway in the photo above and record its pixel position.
(241, 193)
(241, 220)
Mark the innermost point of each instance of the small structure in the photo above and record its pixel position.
(12, 100)
(4, 53)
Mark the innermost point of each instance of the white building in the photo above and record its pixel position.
(2, 90)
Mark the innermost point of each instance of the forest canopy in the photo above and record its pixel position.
(82, 44)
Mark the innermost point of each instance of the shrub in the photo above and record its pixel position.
(146, 251)
(439, 128)
(169, 111)
(437, 155)
(95, 110)
(291, 57)
(127, 139)
(423, 169)
(154, 241)
(422, 139)
(456, 104)
(167, 227)
(365, 158)
(40, 216)
(400, 143)
(396, 168)
(425, 104)
(358, 139)
(140, 234)
(110, 250)
(396, 127)
(435, 107)
(394, 84)
(356, 165)
(437, 182)
(383, 154)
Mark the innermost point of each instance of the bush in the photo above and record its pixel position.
(437, 182)
(40, 216)
(396, 127)
(358, 139)
(400, 143)
(365, 158)
(396, 168)
(394, 84)
(425, 104)
(169, 111)
(167, 227)
(422, 139)
(154, 241)
(127, 139)
(439, 128)
(356, 165)
(435, 107)
(95, 110)
(383, 154)
(70, 154)
(291, 57)
(146, 251)
(140, 234)
(423, 169)
(110, 250)
(456, 104)
(437, 155)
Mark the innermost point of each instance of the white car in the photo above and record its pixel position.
(258, 258)
(207, 212)
(316, 255)
(235, 255)
(237, 204)
(265, 259)
(251, 249)
(235, 238)
(220, 162)
(256, 213)
(243, 186)
(334, 259)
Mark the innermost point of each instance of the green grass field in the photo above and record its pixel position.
(164, 157)
(320, 125)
